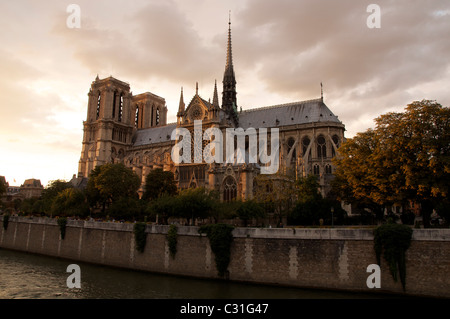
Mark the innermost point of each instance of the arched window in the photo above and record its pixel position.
(327, 169)
(99, 99)
(229, 189)
(321, 147)
(316, 170)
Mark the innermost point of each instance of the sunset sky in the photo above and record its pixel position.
(282, 51)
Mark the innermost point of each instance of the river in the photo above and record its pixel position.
(31, 276)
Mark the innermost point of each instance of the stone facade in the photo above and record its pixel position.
(133, 129)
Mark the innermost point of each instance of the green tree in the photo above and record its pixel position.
(311, 206)
(126, 208)
(70, 202)
(49, 193)
(159, 182)
(164, 207)
(195, 203)
(276, 192)
(250, 209)
(109, 182)
(3, 186)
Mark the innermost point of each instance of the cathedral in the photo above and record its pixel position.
(132, 129)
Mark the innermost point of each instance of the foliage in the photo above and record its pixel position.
(62, 222)
(109, 182)
(276, 193)
(220, 238)
(195, 203)
(172, 235)
(223, 210)
(158, 183)
(126, 208)
(70, 202)
(393, 240)
(164, 206)
(405, 158)
(5, 221)
(311, 207)
(250, 209)
(30, 205)
(140, 236)
(3, 186)
(49, 193)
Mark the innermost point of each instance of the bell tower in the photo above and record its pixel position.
(110, 123)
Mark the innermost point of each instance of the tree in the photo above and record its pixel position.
(276, 192)
(126, 208)
(49, 194)
(70, 202)
(309, 208)
(164, 207)
(159, 182)
(3, 186)
(109, 182)
(405, 158)
(195, 203)
(250, 209)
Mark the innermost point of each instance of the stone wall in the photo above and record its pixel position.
(302, 257)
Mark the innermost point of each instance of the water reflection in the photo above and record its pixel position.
(33, 276)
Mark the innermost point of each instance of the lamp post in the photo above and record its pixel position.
(332, 217)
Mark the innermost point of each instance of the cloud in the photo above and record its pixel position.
(297, 45)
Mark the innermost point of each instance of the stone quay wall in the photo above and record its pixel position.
(323, 258)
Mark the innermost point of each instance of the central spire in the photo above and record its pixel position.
(229, 52)
(229, 101)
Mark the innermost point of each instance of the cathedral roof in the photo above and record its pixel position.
(154, 135)
(302, 112)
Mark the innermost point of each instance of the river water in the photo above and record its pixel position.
(31, 276)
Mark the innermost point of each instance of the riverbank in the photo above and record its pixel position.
(329, 258)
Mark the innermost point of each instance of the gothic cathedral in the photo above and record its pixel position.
(133, 129)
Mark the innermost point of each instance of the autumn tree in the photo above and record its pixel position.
(405, 158)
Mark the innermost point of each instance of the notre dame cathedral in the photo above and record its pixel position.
(133, 129)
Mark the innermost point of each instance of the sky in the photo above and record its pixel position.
(370, 62)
